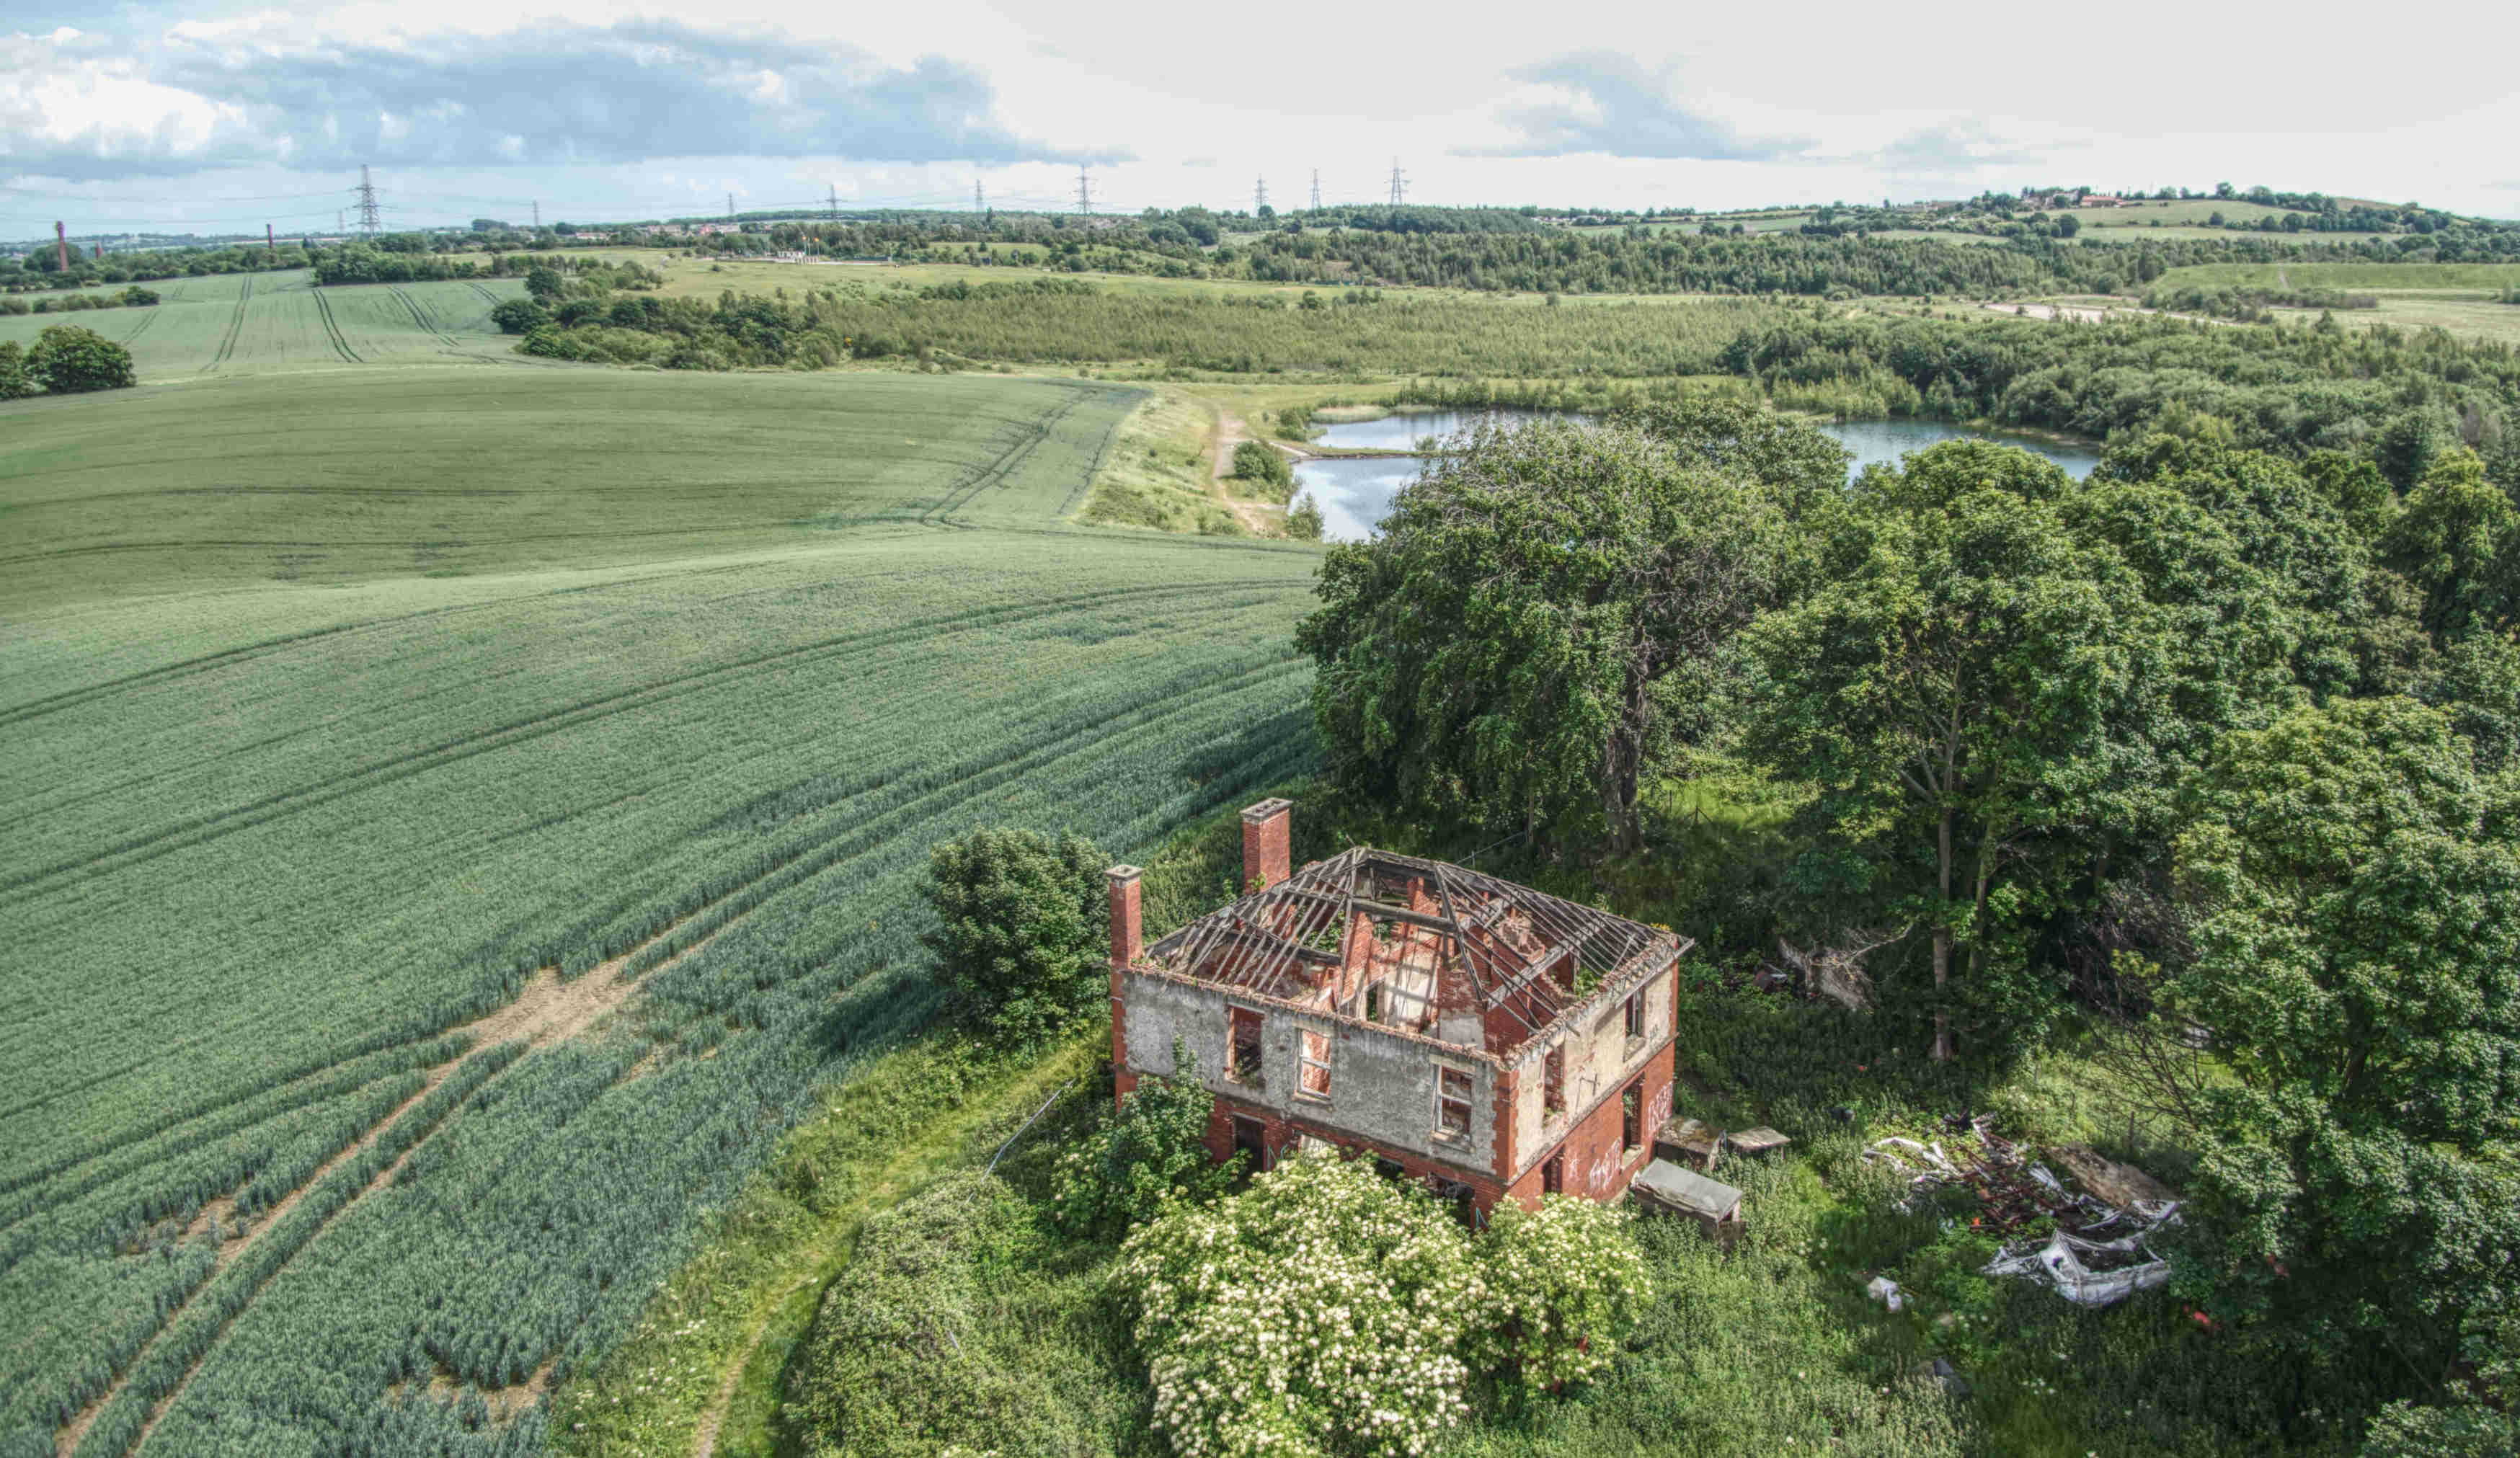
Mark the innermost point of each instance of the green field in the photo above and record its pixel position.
(240, 324)
(2361, 277)
(461, 816)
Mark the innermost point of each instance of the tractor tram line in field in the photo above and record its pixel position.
(215, 825)
(547, 1009)
(407, 1143)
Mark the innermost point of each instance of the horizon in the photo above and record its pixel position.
(223, 117)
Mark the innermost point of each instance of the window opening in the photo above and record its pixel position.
(1632, 1117)
(1242, 1060)
(1453, 1103)
(1552, 1081)
(1313, 1064)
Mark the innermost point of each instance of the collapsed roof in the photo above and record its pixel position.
(1514, 957)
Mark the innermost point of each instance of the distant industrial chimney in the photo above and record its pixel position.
(1266, 856)
(61, 248)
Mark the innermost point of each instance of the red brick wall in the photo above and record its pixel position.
(1596, 1163)
(1268, 853)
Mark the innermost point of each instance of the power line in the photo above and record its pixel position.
(835, 200)
(1084, 191)
(980, 197)
(369, 221)
(1317, 190)
(1399, 184)
(1259, 197)
(538, 215)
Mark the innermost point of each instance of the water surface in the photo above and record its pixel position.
(1355, 493)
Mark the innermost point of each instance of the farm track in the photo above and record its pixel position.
(549, 1010)
(199, 829)
(332, 328)
(236, 326)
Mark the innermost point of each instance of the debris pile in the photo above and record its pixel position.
(2094, 1252)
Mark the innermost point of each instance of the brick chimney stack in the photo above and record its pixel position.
(1127, 943)
(1268, 855)
(1127, 938)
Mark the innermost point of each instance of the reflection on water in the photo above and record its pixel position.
(1354, 495)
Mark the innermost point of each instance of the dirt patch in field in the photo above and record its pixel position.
(547, 1010)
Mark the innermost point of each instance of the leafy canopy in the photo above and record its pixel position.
(69, 360)
(1142, 1158)
(1539, 622)
(1020, 932)
(2357, 966)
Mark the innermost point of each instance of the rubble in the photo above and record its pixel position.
(2094, 1251)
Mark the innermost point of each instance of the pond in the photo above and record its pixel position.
(1355, 493)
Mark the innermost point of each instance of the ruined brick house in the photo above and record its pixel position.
(1462, 1030)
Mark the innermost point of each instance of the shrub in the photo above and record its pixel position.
(1140, 1158)
(15, 383)
(1564, 1283)
(1329, 1310)
(1021, 934)
(69, 360)
(1318, 1312)
(1255, 460)
(519, 316)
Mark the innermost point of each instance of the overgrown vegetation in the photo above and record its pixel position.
(2144, 752)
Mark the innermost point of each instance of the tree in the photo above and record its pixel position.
(69, 360)
(1537, 623)
(1947, 685)
(544, 285)
(2458, 540)
(2404, 449)
(1304, 518)
(519, 316)
(1142, 1158)
(1020, 934)
(15, 383)
(2356, 925)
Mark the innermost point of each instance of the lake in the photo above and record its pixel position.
(1356, 493)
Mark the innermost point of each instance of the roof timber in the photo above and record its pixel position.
(1509, 941)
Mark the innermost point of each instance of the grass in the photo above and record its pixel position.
(2361, 277)
(727, 654)
(239, 324)
(1769, 1347)
(356, 474)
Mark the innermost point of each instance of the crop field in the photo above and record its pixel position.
(238, 324)
(408, 962)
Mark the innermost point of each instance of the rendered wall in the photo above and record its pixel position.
(1382, 1085)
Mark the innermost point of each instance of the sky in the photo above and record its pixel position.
(220, 117)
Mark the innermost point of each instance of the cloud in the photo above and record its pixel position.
(1618, 107)
(1946, 150)
(261, 92)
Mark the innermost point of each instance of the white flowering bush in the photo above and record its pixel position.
(1319, 1312)
(1564, 1283)
(1327, 1310)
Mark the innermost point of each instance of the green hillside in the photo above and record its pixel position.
(238, 324)
(460, 815)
